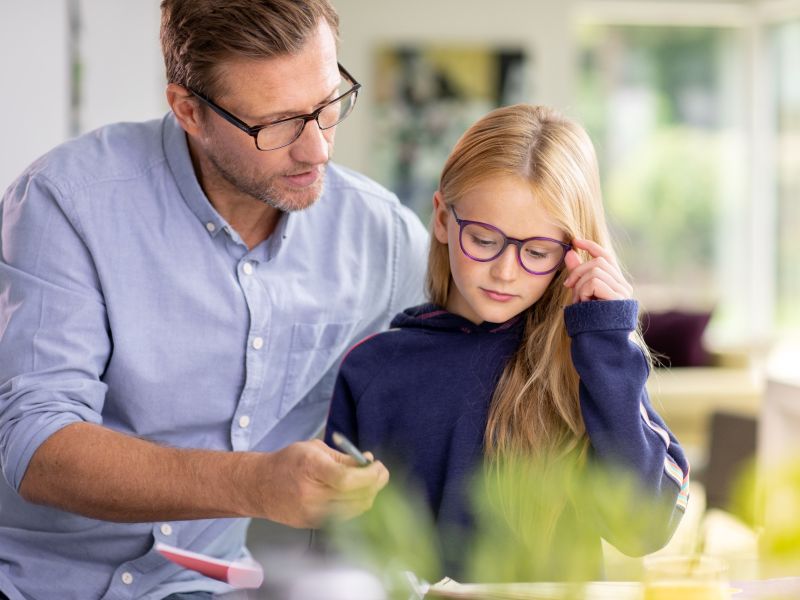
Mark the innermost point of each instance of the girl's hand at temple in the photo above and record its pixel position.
(599, 278)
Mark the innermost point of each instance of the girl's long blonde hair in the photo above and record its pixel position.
(535, 409)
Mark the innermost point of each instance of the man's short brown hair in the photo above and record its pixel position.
(198, 35)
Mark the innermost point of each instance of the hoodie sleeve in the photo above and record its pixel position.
(624, 430)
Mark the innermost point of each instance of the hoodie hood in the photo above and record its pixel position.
(434, 317)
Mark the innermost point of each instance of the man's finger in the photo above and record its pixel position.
(348, 476)
(373, 476)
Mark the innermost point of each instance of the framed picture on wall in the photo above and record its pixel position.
(425, 98)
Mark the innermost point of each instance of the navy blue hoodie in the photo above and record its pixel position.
(418, 396)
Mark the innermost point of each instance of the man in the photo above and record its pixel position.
(175, 297)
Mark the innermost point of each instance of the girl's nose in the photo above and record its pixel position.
(505, 266)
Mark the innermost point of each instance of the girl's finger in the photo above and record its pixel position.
(594, 249)
(572, 261)
(601, 291)
(599, 286)
(594, 265)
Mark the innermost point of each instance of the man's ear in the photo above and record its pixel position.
(441, 216)
(185, 107)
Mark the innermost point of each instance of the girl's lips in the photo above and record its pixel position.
(497, 296)
(303, 179)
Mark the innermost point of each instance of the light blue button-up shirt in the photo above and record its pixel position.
(127, 300)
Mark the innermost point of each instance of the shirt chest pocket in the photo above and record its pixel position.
(314, 351)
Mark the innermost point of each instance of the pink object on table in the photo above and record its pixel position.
(247, 575)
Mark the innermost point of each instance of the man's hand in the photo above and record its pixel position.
(307, 482)
(599, 278)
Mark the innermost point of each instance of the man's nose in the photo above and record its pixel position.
(313, 146)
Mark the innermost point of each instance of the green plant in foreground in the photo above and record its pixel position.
(542, 520)
(396, 535)
(534, 521)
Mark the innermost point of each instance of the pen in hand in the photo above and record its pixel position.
(348, 447)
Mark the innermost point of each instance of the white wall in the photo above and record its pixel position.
(34, 95)
(124, 74)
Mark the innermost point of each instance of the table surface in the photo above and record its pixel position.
(772, 589)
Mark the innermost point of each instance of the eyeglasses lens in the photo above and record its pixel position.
(284, 133)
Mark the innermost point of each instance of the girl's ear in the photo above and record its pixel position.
(441, 216)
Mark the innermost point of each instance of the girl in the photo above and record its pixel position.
(529, 346)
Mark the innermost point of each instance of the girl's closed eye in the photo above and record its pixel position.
(484, 241)
(538, 253)
(542, 254)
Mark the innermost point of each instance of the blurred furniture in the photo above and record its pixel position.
(687, 397)
(779, 426)
(693, 383)
(778, 483)
(732, 445)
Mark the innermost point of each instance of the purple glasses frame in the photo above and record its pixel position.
(506, 241)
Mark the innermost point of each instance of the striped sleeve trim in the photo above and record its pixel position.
(659, 430)
(671, 468)
(674, 471)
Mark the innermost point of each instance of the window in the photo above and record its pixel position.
(665, 107)
(785, 58)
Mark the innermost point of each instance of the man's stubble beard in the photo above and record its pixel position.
(266, 191)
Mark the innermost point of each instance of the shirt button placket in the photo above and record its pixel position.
(242, 425)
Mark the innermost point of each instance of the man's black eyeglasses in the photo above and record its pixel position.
(285, 131)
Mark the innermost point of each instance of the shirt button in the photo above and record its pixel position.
(244, 421)
(127, 578)
(211, 227)
(166, 529)
(258, 343)
(247, 268)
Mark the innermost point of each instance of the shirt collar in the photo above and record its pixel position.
(176, 150)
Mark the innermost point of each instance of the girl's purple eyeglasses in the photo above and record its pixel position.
(483, 242)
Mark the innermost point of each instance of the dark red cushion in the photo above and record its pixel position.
(676, 337)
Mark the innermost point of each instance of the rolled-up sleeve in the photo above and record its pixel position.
(54, 340)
